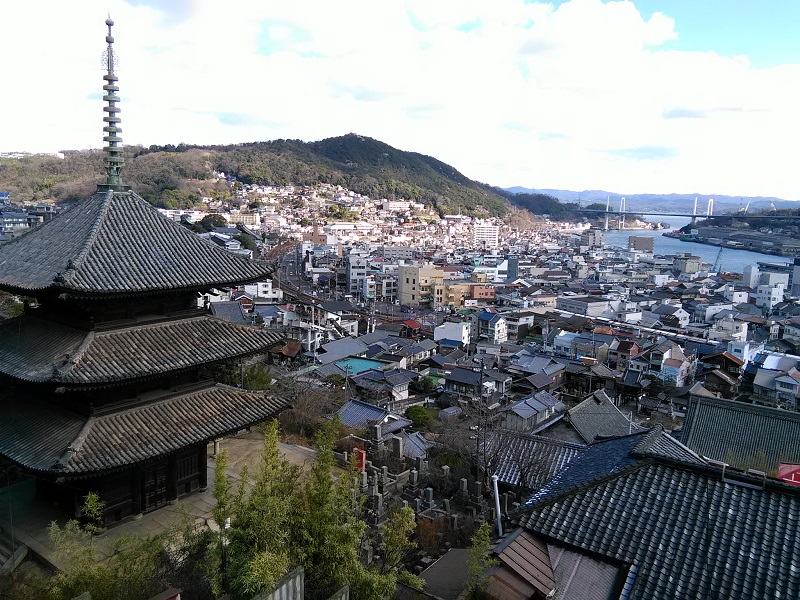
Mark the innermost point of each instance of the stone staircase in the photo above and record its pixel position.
(12, 552)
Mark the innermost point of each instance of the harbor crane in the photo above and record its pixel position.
(717, 263)
(747, 207)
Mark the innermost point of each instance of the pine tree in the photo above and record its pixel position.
(479, 562)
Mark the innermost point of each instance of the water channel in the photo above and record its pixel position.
(731, 260)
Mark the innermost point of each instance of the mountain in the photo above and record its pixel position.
(177, 176)
(648, 203)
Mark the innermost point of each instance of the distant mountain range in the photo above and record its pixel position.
(654, 203)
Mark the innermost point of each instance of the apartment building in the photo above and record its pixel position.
(485, 235)
(415, 285)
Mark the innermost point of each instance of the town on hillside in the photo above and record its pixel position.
(472, 361)
(305, 392)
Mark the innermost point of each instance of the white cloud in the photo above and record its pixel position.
(579, 96)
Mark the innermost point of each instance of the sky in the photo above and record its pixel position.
(632, 96)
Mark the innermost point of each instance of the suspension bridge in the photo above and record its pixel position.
(624, 210)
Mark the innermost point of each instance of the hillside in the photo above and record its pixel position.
(176, 176)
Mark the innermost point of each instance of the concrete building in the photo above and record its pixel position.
(453, 331)
(452, 294)
(592, 238)
(490, 327)
(263, 290)
(750, 276)
(485, 235)
(768, 296)
(590, 306)
(416, 284)
(356, 273)
(686, 263)
(397, 252)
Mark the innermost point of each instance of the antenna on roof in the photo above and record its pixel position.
(114, 159)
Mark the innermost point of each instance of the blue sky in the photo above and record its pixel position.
(765, 31)
(630, 96)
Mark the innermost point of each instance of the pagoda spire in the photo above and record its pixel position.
(114, 159)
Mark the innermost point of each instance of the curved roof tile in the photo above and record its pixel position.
(117, 243)
(37, 350)
(46, 438)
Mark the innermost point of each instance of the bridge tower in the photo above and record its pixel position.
(608, 208)
(694, 213)
(710, 208)
(622, 208)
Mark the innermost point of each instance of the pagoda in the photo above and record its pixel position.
(101, 377)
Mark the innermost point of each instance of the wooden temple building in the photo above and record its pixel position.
(101, 385)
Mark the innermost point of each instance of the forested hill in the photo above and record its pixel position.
(176, 176)
(364, 165)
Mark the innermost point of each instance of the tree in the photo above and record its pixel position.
(10, 305)
(309, 403)
(211, 222)
(328, 533)
(135, 570)
(276, 524)
(246, 241)
(423, 385)
(257, 548)
(479, 562)
(258, 377)
(397, 547)
(419, 415)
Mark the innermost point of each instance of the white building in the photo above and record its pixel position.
(735, 296)
(750, 276)
(356, 273)
(263, 290)
(485, 235)
(768, 296)
(453, 331)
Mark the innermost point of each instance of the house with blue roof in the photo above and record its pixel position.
(490, 327)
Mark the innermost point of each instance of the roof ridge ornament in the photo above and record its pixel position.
(113, 159)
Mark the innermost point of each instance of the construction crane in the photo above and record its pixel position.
(717, 264)
(747, 207)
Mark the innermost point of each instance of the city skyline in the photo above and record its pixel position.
(574, 95)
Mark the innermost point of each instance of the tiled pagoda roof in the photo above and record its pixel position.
(46, 438)
(36, 350)
(115, 243)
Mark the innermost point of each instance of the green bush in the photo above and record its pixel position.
(419, 415)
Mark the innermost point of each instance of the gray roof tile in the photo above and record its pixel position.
(358, 414)
(743, 435)
(37, 350)
(46, 438)
(689, 533)
(597, 416)
(529, 461)
(116, 243)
